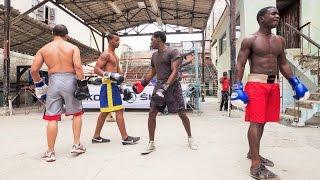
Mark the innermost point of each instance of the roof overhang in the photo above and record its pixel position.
(29, 35)
(116, 15)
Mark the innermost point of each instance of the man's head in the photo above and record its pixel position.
(60, 30)
(225, 74)
(113, 39)
(158, 38)
(268, 16)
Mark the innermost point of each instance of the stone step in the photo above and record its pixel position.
(314, 121)
(314, 97)
(287, 119)
(305, 104)
(293, 112)
(314, 71)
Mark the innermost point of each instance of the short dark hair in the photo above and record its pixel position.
(161, 35)
(263, 11)
(59, 30)
(225, 73)
(111, 35)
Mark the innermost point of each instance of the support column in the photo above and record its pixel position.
(103, 37)
(6, 59)
(232, 33)
(202, 66)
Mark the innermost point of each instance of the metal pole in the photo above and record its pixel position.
(95, 40)
(203, 56)
(318, 67)
(232, 32)
(6, 53)
(203, 64)
(197, 84)
(103, 36)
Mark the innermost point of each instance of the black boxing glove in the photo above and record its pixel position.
(82, 90)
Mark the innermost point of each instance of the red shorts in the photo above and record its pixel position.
(264, 102)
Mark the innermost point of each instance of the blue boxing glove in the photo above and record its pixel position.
(238, 97)
(302, 93)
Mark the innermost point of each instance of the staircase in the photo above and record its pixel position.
(306, 67)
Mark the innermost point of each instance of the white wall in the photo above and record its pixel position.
(76, 30)
(310, 13)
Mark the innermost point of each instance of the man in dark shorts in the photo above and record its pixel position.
(167, 91)
(261, 97)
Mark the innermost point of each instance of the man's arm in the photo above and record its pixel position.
(149, 74)
(138, 86)
(101, 64)
(242, 58)
(119, 70)
(77, 63)
(174, 71)
(35, 67)
(221, 80)
(283, 63)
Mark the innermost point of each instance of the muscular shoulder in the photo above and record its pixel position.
(104, 56)
(173, 50)
(279, 38)
(70, 45)
(173, 53)
(248, 41)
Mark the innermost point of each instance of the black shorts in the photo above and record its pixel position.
(173, 98)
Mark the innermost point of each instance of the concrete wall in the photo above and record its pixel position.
(16, 59)
(310, 13)
(247, 9)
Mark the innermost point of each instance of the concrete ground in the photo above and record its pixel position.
(222, 149)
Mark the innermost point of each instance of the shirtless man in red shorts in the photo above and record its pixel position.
(261, 97)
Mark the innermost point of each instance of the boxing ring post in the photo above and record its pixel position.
(197, 84)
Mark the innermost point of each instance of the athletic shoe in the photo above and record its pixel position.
(78, 149)
(150, 148)
(191, 144)
(261, 172)
(130, 140)
(49, 156)
(100, 140)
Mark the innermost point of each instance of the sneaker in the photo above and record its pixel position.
(130, 140)
(261, 172)
(49, 156)
(263, 160)
(150, 148)
(191, 144)
(78, 149)
(100, 140)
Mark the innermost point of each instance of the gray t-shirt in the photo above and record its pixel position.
(161, 61)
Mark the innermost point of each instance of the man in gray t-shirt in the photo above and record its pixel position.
(167, 91)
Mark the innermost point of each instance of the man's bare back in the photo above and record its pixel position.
(264, 53)
(58, 56)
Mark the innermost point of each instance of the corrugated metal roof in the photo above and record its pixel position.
(102, 16)
(29, 35)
